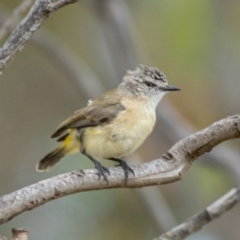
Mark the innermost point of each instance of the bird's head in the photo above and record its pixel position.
(147, 82)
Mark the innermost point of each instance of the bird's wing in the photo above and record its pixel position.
(98, 112)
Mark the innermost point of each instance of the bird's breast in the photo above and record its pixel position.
(122, 135)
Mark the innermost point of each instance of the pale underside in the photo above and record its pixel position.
(120, 137)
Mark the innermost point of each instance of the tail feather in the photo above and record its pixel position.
(51, 159)
(70, 144)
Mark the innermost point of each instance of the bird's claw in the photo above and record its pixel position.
(102, 171)
(126, 169)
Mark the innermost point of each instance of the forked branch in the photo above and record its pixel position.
(167, 169)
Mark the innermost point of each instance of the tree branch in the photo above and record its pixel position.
(196, 222)
(171, 119)
(167, 169)
(13, 18)
(34, 19)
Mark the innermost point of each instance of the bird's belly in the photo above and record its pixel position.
(118, 138)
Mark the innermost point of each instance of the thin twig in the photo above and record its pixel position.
(196, 222)
(167, 169)
(14, 17)
(35, 17)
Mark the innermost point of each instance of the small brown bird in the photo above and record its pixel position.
(113, 125)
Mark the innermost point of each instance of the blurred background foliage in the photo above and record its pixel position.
(195, 43)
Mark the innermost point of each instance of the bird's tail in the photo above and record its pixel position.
(69, 145)
(51, 159)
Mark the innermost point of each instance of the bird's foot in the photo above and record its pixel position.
(102, 170)
(125, 167)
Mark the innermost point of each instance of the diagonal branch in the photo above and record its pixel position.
(34, 19)
(196, 222)
(172, 119)
(167, 169)
(13, 18)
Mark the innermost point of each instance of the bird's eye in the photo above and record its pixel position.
(149, 84)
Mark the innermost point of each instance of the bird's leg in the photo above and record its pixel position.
(125, 167)
(101, 169)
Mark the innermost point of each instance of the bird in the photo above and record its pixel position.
(113, 125)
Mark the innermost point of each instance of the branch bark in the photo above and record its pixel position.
(169, 168)
(40, 10)
(171, 119)
(196, 222)
(13, 18)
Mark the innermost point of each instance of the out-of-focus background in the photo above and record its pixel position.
(84, 49)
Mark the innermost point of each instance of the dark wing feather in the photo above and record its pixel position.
(63, 137)
(100, 111)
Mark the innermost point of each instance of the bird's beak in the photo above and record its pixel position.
(169, 88)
